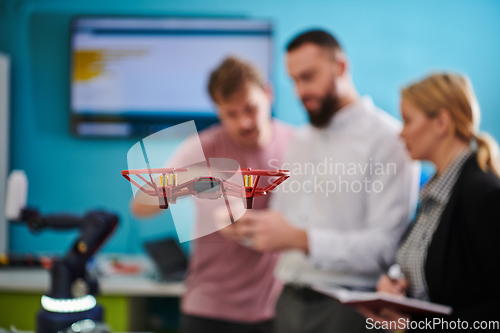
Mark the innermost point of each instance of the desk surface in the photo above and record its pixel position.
(34, 280)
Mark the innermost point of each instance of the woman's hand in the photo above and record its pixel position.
(397, 287)
(387, 319)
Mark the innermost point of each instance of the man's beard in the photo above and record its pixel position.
(329, 105)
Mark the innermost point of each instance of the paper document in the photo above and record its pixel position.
(379, 300)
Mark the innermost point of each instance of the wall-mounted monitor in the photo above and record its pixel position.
(136, 76)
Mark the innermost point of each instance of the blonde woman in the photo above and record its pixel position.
(451, 254)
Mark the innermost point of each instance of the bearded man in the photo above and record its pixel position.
(339, 218)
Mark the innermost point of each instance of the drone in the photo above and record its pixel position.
(204, 187)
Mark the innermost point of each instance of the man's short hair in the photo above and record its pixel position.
(232, 76)
(318, 37)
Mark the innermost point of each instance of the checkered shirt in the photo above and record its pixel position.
(433, 199)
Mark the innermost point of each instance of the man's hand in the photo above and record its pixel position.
(223, 223)
(142, 210)
(268, 230)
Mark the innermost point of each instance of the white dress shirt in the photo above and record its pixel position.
(353, 188)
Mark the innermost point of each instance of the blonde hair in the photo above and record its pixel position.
(454, 93)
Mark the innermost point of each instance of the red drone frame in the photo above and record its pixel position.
(206, 187)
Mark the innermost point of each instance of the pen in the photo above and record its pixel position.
(394, 273)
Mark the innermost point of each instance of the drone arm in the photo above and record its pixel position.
(255, 185)
(276, 183)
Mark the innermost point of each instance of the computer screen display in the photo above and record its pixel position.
(135, 76)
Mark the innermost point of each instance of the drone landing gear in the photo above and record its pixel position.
(248, 202)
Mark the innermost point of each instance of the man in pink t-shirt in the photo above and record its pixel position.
(230, 287)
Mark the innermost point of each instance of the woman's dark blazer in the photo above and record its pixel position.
(463, 260)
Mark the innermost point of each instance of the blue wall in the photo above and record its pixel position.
(389, 43)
